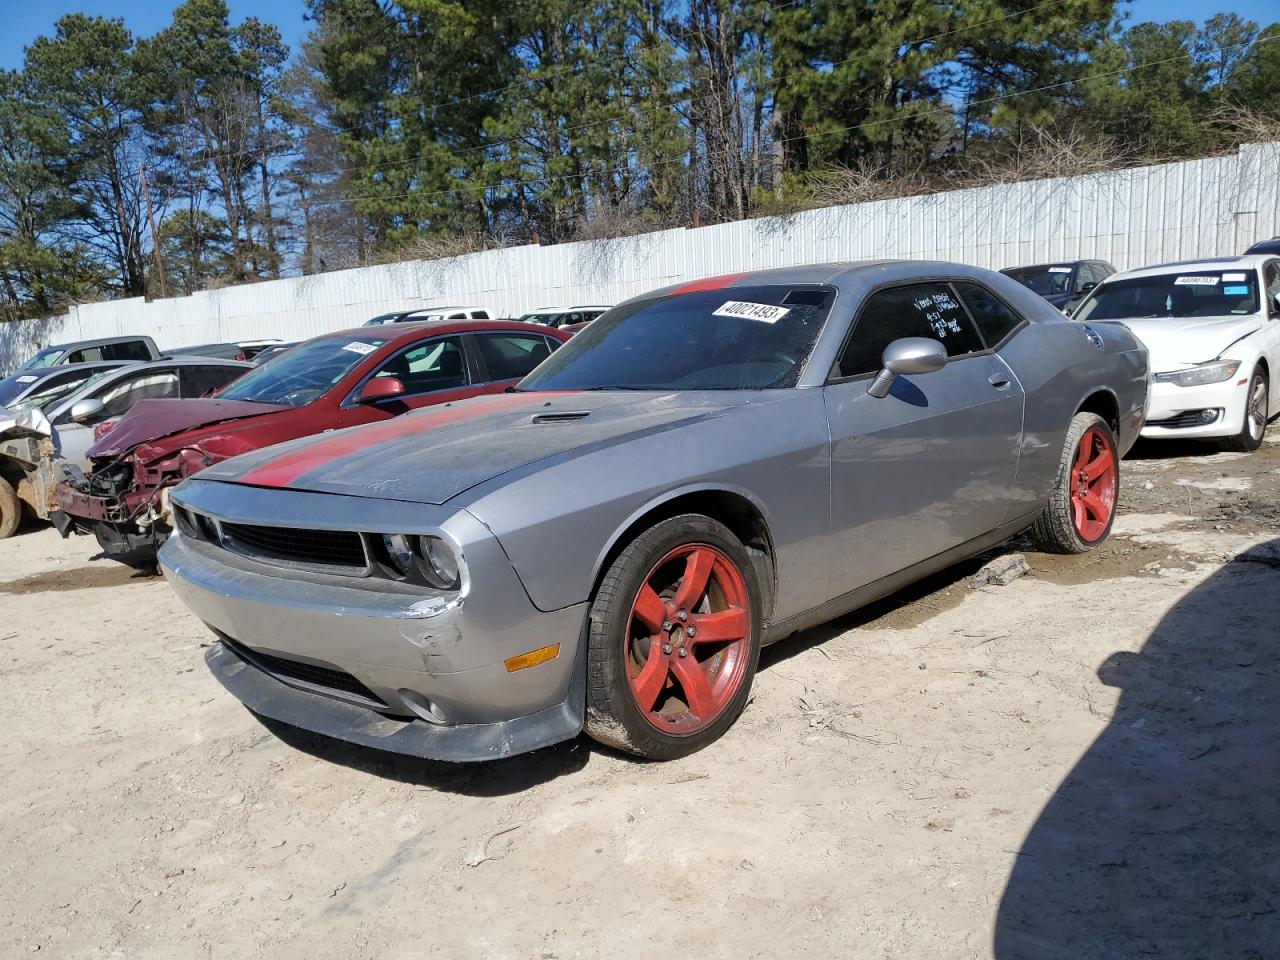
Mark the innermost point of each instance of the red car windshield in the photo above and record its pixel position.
(737, 338)
(295, 378)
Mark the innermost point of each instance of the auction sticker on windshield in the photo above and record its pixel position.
(764, 312)
(1196, 282)
(355, 346)
(1059, 269)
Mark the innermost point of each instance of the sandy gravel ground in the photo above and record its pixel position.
(1080, 764)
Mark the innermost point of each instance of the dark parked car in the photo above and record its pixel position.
(338, 380)
(243, 350)
(705, 469)
(1062, 284)
(1271, 246)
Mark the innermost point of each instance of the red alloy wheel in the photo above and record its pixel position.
(1093, 485)
(688, 638)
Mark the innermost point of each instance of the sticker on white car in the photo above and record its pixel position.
(1196, 282)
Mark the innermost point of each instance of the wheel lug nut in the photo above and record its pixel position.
(683, 652)
(691, 631)
(666, 648)
(666, 624)
(683, 615)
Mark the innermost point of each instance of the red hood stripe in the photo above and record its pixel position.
(288, 467)
(710, 283)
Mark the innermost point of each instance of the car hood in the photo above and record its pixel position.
(149, 420)
(1173, 344)
(435, 454)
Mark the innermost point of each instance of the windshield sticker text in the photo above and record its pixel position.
(28, 379)
(764, 312)
(1237, 277)
(1237, 291)
(1059, 269)
(355, 346)
(1196, 282)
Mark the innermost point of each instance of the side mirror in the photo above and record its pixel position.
(381, 388)
(906, 356)
(84, 410)
(1087, 286)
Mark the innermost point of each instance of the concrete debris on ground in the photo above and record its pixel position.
(1001, 571)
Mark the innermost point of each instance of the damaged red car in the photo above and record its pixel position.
(338, 380)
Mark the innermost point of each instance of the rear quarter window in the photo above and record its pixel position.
(995, 319)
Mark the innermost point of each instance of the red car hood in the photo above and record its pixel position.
(149, 420)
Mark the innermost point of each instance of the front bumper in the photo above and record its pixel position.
(1169, 402)
(380, 664)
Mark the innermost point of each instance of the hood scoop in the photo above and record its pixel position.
(566, 417)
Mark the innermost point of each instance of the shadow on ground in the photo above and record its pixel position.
(1164, 841)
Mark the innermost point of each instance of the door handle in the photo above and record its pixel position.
(999, 380)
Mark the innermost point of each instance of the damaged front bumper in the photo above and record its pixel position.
(378, 662)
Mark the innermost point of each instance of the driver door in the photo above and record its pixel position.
(931, 465)
(434, 371)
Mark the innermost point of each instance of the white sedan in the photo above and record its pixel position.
(1212, 329)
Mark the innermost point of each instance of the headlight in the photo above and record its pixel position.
(399, 552)
(1214, 372)
(438, 563)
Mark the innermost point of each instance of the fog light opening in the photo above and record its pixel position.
(425, 709)
(1208, 416)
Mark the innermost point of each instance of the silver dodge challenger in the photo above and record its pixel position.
(703, 470)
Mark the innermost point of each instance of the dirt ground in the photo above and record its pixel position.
(1080, 764)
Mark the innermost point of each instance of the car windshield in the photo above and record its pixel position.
(1045, 280)
(302, 374)
(44, 358)
(741, 338)
(1177, 294)
(52, 390)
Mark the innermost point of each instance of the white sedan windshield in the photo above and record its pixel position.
(1181, 294)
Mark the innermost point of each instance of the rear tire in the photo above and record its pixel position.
(679, 606)
(1257, 404)
(1082, 506)
(10, 510)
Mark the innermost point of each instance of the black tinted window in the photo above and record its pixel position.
(919, 310)
(201, 381)
(511, 355)
(133, 350)
(994, 319)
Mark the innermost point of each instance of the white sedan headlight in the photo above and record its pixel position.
(1213, 372)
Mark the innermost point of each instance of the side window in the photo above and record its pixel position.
(87, 355)
(994, 318)
(435, 365)
(553, 344)
(479, 314)
(119, 397)
(510, 355)
(1271, 277)
(130, 350)
(202, 381)
(919, 310)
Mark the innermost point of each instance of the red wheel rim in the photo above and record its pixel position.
(688, 639)
(1093, 485)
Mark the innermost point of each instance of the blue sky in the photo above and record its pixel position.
(21, 21)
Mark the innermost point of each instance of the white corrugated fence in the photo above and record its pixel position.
(1197, 208)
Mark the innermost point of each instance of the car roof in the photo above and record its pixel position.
(96, 341)
(41, 373)
(1047, 264)
(413, 330)
(846, 275)
(1246, 261)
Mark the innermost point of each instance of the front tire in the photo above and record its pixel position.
(1082, 506)
(674, 641)
(1256, 406)
(10, 510)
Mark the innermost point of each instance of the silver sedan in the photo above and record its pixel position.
(704, 470)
